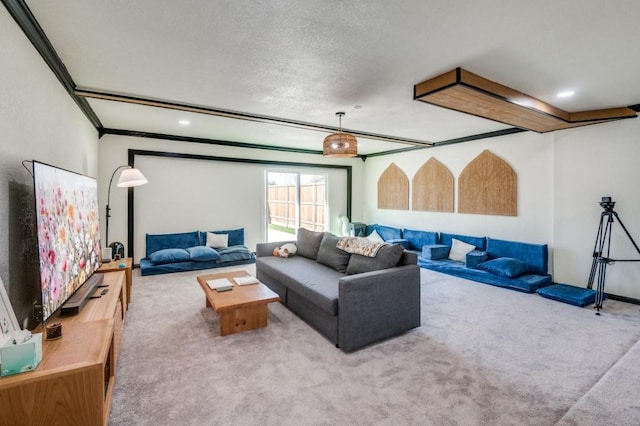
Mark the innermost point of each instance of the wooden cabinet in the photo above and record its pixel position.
(114, 266)
(73, 383)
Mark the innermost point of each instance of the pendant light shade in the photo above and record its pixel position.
(340, 144)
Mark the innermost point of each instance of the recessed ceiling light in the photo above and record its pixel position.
(565, 94)
(184, 122)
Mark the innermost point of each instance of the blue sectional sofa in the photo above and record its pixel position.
(509, 264)
(188, 251)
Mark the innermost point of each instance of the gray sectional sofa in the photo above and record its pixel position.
(352, 299)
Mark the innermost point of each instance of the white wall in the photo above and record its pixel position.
(561, 178)
(186, 195)
(591, 162)
(529, 154)
(38, 120)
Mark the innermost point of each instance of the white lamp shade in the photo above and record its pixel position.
(131, 177)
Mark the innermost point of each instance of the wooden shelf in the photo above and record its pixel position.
(73, 383)
(463, 91)
(114, 266)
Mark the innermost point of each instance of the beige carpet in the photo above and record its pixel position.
(483, 356)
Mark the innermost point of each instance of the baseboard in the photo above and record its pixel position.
(623, 298)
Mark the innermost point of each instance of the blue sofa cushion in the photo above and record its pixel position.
(182, 240)
(386, 232)
(202, 254)
(479, 242)
(388, 256)
(418, 239)
(308, 243)
(435, 251)
(536, 255)
(236, 236)
(170, 255)
(506, 267)
(569, 294)
(330, 255)
(474, 258)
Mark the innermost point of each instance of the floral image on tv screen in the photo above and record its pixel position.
(68, 232)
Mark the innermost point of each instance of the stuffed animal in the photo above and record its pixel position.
(288, 249)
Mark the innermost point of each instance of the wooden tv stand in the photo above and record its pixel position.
(74, 382)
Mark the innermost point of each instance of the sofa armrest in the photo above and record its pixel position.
(266, 249)
(435, 251)
(376, 305)
(474, 258)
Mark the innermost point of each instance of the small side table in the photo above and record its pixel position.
(113, 267)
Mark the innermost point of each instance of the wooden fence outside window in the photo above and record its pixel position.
(281, 201)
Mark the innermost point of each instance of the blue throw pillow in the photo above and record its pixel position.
(506, 267)
(171, 255)
(202, 254)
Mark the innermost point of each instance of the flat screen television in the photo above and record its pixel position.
(68, 229)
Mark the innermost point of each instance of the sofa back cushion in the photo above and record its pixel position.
(418, 239)
(386, 232)
(182, 240)
(309, 243)
(330, 255)
(236, 236)
(479, 242)
(535, 255)
(388, 257)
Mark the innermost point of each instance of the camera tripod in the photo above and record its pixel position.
(602, 249)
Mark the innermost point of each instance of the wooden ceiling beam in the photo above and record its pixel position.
(464, 91)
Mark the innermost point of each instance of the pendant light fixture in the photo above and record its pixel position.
(340, 144)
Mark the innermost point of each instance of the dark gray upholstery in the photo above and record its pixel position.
(384, 308)
(309, 279)
(388, 257)
(352, 311)
(332, 256)
(309, 243)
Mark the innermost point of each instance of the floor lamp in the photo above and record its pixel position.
(128, 178)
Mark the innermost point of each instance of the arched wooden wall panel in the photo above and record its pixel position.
(393, 189)
(432, 188)
(488, 185)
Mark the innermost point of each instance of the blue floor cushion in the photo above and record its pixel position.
(572, 295)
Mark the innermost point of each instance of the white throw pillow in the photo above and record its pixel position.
(374, 236)
(217, 240)
(459, 250)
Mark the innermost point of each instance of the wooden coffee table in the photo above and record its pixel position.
(242, 308)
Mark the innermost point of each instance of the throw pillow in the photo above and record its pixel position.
(202, 254)
(388, 256)
(217, 240)
(309, 243)
(330, 255)
(171, 255)
(506, 267)
(459, 250)
(374, 236)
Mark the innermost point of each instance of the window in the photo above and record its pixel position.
(295, 200)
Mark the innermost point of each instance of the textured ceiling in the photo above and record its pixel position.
(306, 60)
